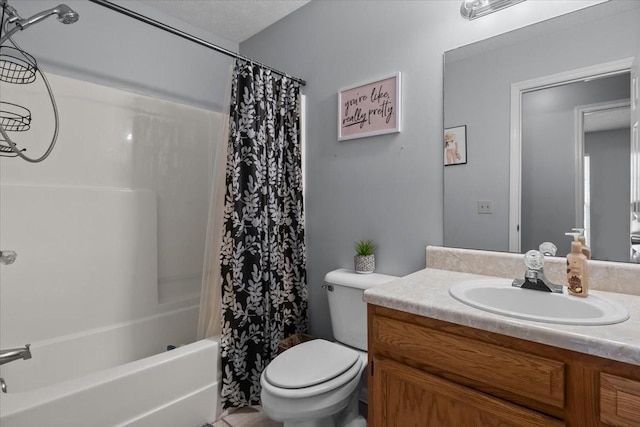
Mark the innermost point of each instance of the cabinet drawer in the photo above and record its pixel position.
(513, 371)
(410, 397)
(619, 401)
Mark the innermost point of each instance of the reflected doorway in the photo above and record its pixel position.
(604, 133)
(575, 171)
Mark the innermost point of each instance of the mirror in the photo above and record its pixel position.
(535, 70)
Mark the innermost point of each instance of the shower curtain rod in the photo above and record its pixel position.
(184, 35)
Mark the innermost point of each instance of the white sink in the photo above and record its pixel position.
(498, 296)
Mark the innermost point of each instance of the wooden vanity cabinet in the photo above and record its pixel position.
(426, 372)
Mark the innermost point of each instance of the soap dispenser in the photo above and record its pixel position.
(577, 275)
(582, 239)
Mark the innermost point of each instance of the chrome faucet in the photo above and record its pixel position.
(12, 354)
(534, 277)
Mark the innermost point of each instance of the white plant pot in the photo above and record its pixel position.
(364, 264)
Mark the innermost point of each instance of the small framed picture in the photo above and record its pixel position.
(455, 146)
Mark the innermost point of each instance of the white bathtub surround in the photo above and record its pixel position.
(110, 235)
(87, 259)
(178, 388)
(426, 293)
(617, 277)
(114, 139)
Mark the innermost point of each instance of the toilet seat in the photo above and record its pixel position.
(310, 363)
(311, 368)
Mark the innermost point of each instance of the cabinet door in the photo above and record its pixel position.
(619, 401)
(404, 396)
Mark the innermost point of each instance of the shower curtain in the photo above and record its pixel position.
(210, 294)
(263, 256)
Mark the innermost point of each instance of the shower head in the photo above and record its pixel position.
(66, 15)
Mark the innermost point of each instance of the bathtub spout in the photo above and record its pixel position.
(12, 354)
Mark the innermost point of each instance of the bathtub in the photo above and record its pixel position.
(169, 389)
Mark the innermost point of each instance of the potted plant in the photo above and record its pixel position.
(365, 260)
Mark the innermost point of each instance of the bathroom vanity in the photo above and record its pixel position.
(434, 361)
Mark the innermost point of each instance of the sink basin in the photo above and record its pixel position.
(498, 296)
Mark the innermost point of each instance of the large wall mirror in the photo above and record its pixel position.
(549, 137)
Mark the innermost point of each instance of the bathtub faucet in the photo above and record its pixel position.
(12, 354)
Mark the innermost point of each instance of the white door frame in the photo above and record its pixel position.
(515, 152)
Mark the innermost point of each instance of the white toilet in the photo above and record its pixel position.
(318, 383)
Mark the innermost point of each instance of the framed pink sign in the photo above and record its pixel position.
(371, 108)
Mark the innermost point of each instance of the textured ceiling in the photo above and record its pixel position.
(234, 20)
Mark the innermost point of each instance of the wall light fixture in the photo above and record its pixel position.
(472, 9)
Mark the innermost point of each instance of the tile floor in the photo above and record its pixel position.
(251, 416)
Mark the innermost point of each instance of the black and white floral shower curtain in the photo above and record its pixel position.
(263, 257)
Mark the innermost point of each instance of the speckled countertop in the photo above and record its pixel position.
(426, 293)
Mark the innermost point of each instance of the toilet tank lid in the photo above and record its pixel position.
(346, 277)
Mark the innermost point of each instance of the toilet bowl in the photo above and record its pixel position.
(314, 384)
(318, 383)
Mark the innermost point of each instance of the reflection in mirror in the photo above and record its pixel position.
(555, 157)
(557, 193)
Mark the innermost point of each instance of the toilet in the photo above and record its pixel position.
(318, 383)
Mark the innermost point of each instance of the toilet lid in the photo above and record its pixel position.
(309, 364)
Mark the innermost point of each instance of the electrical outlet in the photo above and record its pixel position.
(485, 206)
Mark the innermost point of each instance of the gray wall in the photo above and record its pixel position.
(548, 152)
(477, 93)
(387, 188)
(610, 168)
(108, 48)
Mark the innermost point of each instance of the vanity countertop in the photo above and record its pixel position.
(426, 293)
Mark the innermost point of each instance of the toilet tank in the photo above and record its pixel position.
(345, 289)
